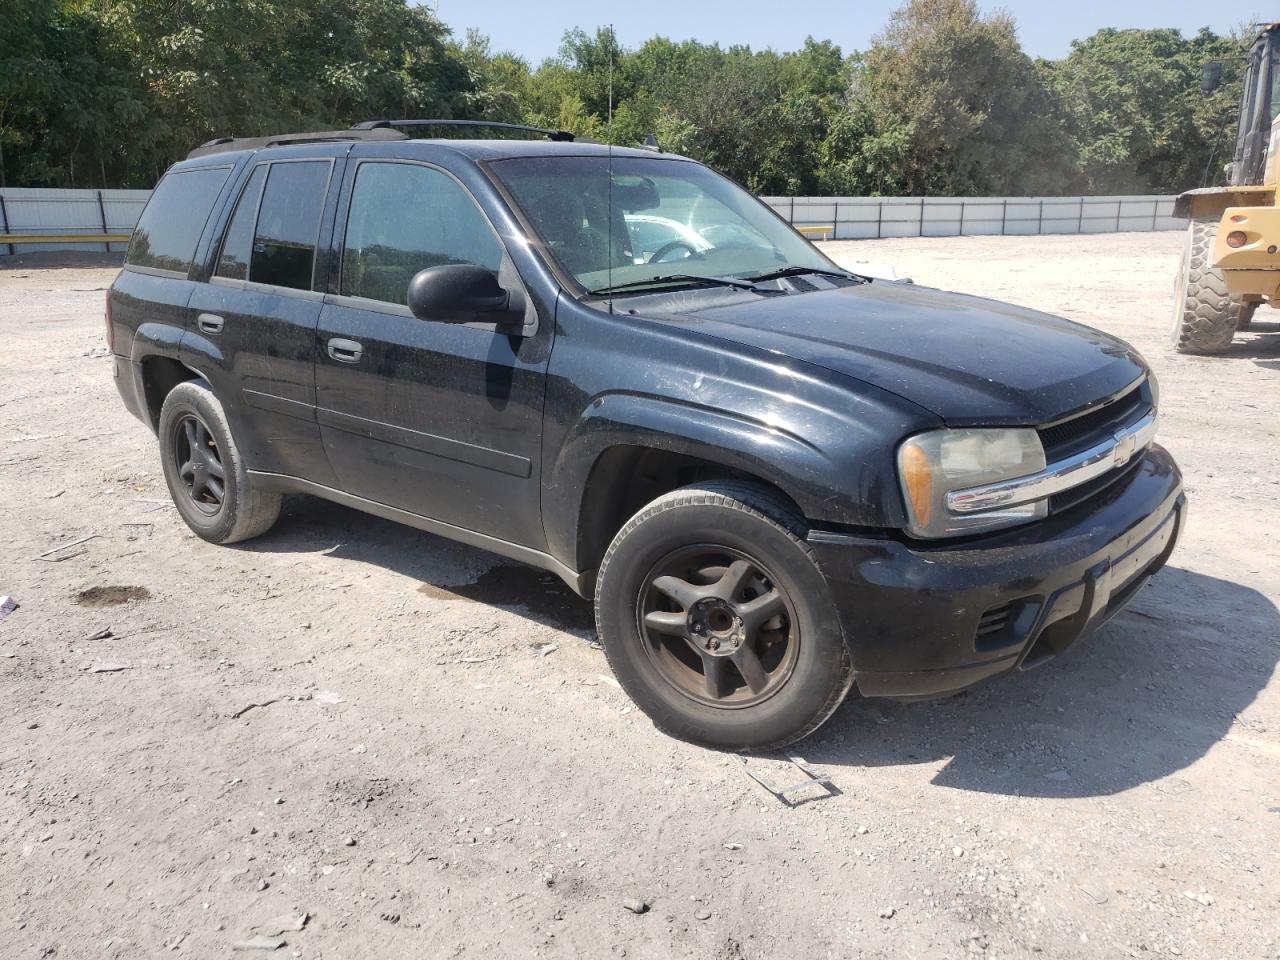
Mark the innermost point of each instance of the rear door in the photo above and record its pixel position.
(254, 321)
(439, 419)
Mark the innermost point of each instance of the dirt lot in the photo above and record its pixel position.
(362, 724)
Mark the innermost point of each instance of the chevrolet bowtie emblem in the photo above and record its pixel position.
(1125, 446)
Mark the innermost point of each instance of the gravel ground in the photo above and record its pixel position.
(409, 748)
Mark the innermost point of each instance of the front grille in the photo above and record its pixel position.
(1069, 498)
(1095, 425)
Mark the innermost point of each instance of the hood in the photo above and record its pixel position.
(966, 359)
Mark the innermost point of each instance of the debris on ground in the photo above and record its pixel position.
(886, 913)
(52, 554)
(289, 923)
(796, 794)
(635, 905)
(7, 606)
(253, 706)
(103, 634)
(108, 667)
(259, 943)
(328, 697)
(542, 649)
(702, 913)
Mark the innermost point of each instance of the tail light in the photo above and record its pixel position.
(111, 330)
(1236, 238)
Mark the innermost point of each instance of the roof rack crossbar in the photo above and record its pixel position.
(560, 136)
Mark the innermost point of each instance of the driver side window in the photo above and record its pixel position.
(405, 218)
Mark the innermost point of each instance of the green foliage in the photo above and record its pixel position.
(1132, 102)
(109, 92)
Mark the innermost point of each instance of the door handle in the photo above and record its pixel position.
(210, 322)
(345, 351)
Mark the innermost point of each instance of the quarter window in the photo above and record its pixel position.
(284, 243)
(170, 226)
(405, 218)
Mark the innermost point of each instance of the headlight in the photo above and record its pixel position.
(932, 464)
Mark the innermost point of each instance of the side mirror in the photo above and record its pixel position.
(462, 293)
(1210, 76)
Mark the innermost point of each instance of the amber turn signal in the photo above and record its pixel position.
(917, 477)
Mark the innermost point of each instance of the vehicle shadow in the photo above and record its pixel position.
(445, 569)
(1142, 699)
(1261, 344)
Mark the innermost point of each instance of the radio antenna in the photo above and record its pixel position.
(609, 140)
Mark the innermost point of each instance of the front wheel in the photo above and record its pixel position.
(717, 622)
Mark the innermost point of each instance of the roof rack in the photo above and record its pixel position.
(560, 136)
(368, 130)
(225, 144)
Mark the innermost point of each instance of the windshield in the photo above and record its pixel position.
(669, 218)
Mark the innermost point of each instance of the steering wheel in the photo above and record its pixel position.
(666, 248)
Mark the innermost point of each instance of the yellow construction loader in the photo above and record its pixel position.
(1231, 262)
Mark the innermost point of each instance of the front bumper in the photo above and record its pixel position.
(926, 621)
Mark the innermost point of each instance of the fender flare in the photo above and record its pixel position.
(648, 422)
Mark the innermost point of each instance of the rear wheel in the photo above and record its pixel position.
(1205, 315)
(205, 472)
(717, 622)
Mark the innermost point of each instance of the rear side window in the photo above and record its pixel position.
(284, 243)
(405, 218)
(170, 226)
(237, 247)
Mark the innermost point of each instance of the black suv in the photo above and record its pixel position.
(776, 478)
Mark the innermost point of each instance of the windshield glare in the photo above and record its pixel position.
(668, 217)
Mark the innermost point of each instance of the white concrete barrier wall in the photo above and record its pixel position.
(861, 218)
(32, 210)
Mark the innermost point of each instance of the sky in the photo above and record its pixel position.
(1046, 29)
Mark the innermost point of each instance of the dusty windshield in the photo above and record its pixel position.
(653, 218)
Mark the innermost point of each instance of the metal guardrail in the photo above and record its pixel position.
(109, 238)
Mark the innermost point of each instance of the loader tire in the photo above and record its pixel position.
(1205, 316)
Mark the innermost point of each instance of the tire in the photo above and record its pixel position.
(225, 509)
(1205, 315)
(691, 689)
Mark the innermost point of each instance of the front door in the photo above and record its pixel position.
(441, 420)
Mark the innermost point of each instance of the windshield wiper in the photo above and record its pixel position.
(798, 271)
(675, 278)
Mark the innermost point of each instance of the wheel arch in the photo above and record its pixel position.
(159, 374)
(627, 476)
(628, 450)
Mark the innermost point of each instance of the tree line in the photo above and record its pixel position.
(108, 93)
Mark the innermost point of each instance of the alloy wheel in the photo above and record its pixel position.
(199, 464)
(718, 627)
